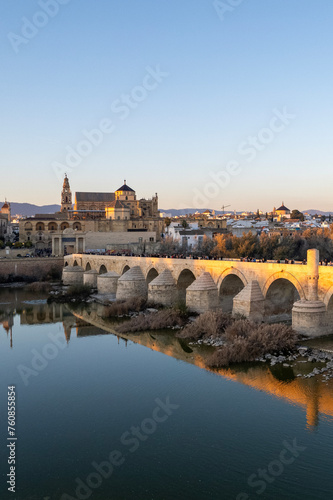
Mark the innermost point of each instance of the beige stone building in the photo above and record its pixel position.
(281, 213)
(97, 221)
(124, 201)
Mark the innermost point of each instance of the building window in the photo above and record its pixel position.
(151, 239)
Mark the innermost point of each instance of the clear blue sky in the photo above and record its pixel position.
(227, 73)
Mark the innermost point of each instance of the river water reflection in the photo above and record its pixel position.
(179, 430)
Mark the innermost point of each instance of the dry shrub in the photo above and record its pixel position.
(78, 292)
(160, 320)
(38, 286)
(238, 328)
(208, 324)
(257, 341)
(124, 307)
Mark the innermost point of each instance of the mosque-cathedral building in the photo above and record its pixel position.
(96, 221)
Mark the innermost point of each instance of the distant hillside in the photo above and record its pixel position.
(27, 209)
(183, 211)
(318, 212)
(174, 212)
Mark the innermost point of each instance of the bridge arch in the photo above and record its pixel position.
(184, 280)
(230, 283)
(151, 274)
(102, 270)
(286, 276)
(125, 268)
(234, 271)
(75, 263)
(280, 297)
(88, 266)
(328, 301)
(328, 296)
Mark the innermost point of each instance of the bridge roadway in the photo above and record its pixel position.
(229, 275)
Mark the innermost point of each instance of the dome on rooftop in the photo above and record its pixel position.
(124, 187)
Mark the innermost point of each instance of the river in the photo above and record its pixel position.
(139, 417)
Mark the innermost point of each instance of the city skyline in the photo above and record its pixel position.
(205, 105)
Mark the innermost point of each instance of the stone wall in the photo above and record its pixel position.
(108, 241)
(31, 267)
(12, 253)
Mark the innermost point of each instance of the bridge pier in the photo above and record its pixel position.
(309, 316)
(203, 294)
(250, 302)
(90, 278)
(163, 289)
(107, 283)
(72, 275)
(132, 285)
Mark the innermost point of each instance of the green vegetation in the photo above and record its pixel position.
(296, 214)
(167, 221)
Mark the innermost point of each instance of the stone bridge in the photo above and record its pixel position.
(261, 291)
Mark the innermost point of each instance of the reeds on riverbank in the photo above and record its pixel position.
(247, 341)
(39, 286)
(124, 307)
(209, 324)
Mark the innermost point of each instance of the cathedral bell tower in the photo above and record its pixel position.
(66, 196)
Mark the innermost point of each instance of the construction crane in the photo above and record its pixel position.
(224, 206)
